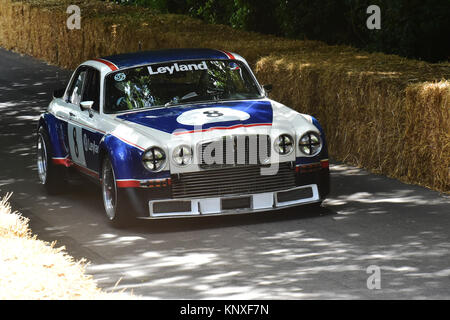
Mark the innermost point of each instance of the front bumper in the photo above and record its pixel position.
(233, 204)
(294, 186)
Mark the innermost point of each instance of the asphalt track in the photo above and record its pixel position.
(301, 253)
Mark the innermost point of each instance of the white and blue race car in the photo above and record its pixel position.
(180, 133)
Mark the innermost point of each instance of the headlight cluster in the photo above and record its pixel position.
(284, 144)
(310, 144)
(182, 155)
(154, 159)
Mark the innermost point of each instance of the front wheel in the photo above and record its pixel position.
(115, 201)
(51, 176)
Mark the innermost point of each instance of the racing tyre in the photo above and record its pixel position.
(53, 177)
(116, 203)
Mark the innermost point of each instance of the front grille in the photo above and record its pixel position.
(236, 150)
(234, 180)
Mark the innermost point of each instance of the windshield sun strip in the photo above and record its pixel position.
(241, 64)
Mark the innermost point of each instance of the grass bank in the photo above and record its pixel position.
(34, 269)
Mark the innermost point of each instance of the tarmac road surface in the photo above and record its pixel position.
(301, 253)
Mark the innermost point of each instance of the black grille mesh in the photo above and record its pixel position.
(234, 180)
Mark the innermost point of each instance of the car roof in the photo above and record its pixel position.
(127, 60)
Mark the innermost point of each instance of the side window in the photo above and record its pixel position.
(92, 88)
(77, 88)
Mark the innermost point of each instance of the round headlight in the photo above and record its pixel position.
(182, 155)
(154, 159)
(310, 144)
(284, 144)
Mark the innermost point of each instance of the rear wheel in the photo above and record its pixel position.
(116, 203)
(51, 176)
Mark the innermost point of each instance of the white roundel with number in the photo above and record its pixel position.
(210, 115)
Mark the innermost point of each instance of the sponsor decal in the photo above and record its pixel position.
(178, 68)
(120, 77)
(233, 66)
(89, 145)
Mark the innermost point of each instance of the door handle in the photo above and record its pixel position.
(72, 115)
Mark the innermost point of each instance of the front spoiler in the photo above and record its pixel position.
(214, 206)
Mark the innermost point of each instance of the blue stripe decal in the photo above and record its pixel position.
(127, 160)
(165, 119)
(56, 129)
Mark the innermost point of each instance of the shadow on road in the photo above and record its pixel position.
(298, 253)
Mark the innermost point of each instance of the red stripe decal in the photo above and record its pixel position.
(90, 172)
(62, 162)
(111, 65)
(323, 164)
(229, 55)
(103, 132)
(224, 128)
(128, 183)
(130, 143)
(68, 163)
(156, 183)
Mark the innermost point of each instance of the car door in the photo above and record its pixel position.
(74, 133)
(90, 121)
(82, 132)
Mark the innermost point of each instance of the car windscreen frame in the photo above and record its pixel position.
(241, 63)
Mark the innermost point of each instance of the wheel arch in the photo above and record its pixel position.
(54, 130)
(42, 123)
(118, 153)
(324, 151)
(101, 157)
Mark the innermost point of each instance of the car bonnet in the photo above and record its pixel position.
(204, 116)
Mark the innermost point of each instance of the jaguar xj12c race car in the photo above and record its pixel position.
(180, 133)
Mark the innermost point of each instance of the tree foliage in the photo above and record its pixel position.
(411, 28)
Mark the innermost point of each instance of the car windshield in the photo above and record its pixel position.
(180, 82)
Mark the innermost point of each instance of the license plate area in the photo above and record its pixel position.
(236, 203)
(165, 207)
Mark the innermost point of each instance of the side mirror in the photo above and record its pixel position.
(59, 93)
(267, 88)
(86, 105)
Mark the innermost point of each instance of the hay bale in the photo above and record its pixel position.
(374, 117)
